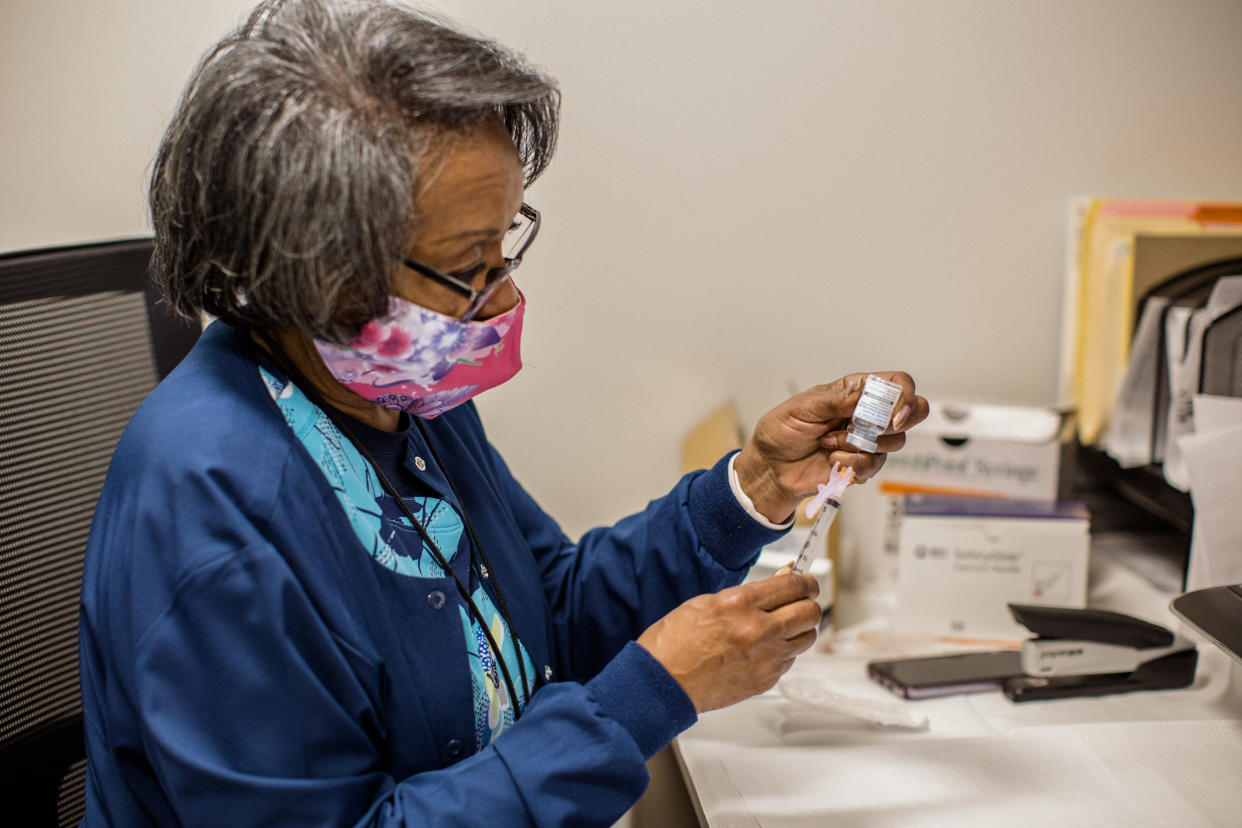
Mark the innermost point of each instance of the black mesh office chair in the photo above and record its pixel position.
(82, 342)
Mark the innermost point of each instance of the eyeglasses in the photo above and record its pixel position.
(517, 240)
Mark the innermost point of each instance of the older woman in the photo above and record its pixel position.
(314, 593)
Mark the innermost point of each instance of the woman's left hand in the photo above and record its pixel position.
(795, 444)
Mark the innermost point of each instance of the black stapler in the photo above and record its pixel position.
(1086, 652)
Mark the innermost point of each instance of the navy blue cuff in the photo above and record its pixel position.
(724, 528)
(636, 691)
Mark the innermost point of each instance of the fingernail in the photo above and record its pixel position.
(901, 417)
(831, 443)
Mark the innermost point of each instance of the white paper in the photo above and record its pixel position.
(1128, 439)
(1216, 413)
(1185, 359)
(1083, 775)
(1028, 779)
(1194, 783)
(1213, 460)
(1176, 330)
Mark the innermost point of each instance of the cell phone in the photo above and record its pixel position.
(928, 676)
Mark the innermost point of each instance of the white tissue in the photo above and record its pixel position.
(809, 692)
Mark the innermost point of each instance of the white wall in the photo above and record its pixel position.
(747, 195)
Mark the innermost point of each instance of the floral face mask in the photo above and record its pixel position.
(425, 363)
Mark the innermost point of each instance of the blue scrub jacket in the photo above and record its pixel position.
(244, 661)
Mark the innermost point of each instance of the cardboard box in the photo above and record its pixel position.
(964, 450)
(962, 560)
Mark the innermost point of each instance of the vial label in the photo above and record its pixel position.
(879, 398)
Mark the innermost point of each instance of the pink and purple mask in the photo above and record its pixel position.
(425, 363)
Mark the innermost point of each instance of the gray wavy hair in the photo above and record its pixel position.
(284, 185)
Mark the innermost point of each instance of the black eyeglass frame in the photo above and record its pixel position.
(494, 278)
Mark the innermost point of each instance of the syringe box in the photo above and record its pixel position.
(961, 561)
(961, 449)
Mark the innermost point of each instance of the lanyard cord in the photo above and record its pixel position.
(300, 379)
(478, 544)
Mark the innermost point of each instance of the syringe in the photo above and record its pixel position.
(829, 497)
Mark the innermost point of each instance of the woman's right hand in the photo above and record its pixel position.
(734, 644)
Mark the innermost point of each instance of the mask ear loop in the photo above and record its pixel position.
(300, 380)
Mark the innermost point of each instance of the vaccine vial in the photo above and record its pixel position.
(873, 412)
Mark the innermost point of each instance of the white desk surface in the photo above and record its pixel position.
(1171, 757)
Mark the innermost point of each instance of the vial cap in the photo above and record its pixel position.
(856, 439)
